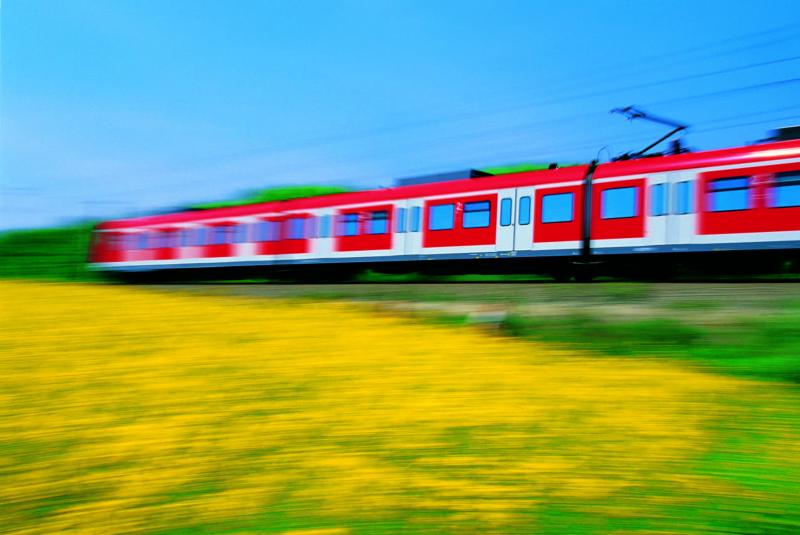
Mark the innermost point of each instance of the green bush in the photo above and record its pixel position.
(50, 254)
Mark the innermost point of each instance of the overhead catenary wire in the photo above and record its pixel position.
(701, 96)
(780, 34)
(340, 137)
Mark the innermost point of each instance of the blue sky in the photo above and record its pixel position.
(111, 108)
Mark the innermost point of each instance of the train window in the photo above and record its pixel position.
(505, 212)
(378, 222)
(297, 228)
(325, 226)
(166, 239)
(557, 207)
(130, 241)
(184, 236)
(240, 233)
(619, 203)
(658, 199)
(477, 214)
(441, 217)
(348, 225)
(262, 231)
(158, 240)
(275, 231)
(161, 239)
(683, 198)
(786, 190)
(524, 209)
(219, 235)
(201, 236)
(400, 224)
(416, 213)
(143, 240)
(729, 194)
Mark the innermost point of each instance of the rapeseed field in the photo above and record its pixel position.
(126, 410)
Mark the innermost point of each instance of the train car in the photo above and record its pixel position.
(737, 207)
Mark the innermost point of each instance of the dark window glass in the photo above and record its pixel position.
(477, 214)
(505, 212)
(658, 199)
(378, 222)
(786, 190)
(184, 237)
(416, 215)
(524, 210)
(311, 227)
(728, 194)
(348, 225)
(325, 227)
(684, 197)
(275, 231)
(619, 203)
(400, 224)
(297, 228)
(168, 239)
(193, 235)
(218, 235)
(441, 217)
(240, 233)
(262, 231)
(557, 207)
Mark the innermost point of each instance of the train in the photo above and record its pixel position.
(727, 209)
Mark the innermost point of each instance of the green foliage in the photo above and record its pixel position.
(49, 254)
(284, 193)
(520, 167)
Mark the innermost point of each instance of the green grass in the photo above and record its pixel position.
(765, 347)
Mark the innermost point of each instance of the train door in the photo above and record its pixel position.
(399, 228)
(322, 244)
(658, 208)
(523, 222)
(682, 208)
(414, 222)
(507, 200)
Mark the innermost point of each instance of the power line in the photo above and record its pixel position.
(330, 139)
(775, 83)
(339, 137)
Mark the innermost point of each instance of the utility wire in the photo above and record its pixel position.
(338, 139)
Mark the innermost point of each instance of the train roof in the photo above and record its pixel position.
(692, 160)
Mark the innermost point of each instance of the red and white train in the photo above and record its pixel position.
(738, 205)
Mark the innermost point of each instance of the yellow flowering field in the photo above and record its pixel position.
(127, 410)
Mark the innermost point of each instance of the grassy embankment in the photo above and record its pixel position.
(750, 329)
(133, 411)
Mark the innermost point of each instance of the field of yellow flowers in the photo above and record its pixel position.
(126, 410)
